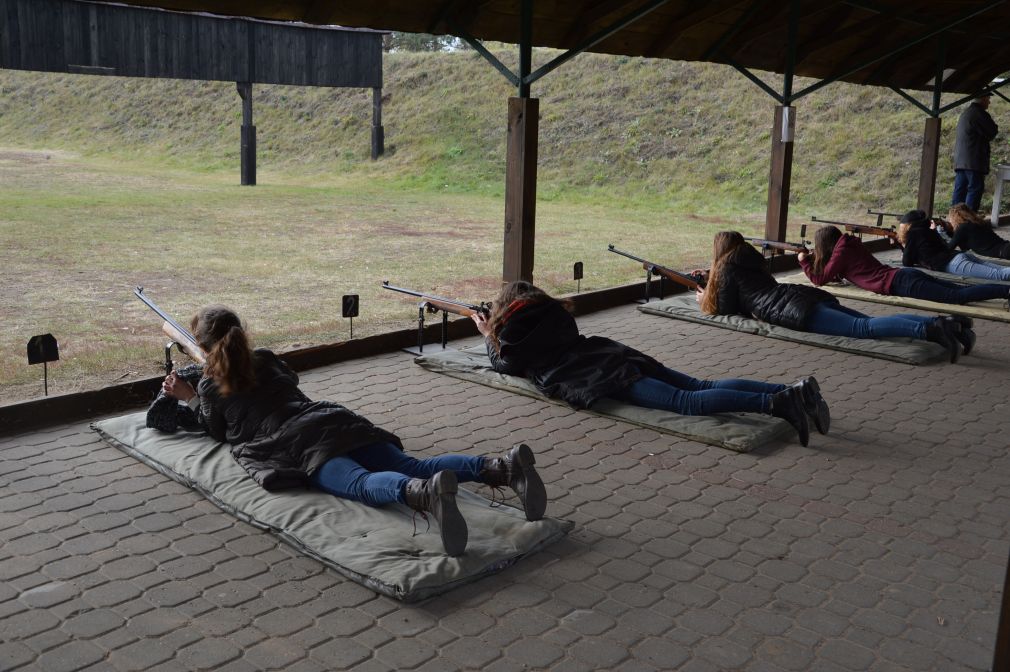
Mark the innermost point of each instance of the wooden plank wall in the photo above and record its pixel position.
(84, 37)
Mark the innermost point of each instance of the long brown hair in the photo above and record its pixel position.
(825, 240)
(723, 245)
(229, 356)
(961, 214)
(512, 295)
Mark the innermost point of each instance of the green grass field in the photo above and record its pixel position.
(77, 235)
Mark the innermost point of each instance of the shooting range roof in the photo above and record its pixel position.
(853, 40)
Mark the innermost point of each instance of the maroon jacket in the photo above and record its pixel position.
(853, 262)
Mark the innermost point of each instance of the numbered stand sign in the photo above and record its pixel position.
(577, 276)
(43, 349)
(349, 309)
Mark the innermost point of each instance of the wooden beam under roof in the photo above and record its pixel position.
(682, 29)
(695, 14)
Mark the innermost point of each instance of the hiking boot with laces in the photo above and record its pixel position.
(437, 496)
(516, 470)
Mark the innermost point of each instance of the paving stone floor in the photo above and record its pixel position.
(879, 547)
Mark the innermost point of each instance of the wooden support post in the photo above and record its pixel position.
(378, 133)
(248, 152)
(781, 172)
(927, 170)
(520, 188)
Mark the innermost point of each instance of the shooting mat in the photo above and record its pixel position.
(371, 546)
(741, 432)
(904, 350)
(893, 257)
(995, 309)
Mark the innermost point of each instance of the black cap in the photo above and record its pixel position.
(914, 216)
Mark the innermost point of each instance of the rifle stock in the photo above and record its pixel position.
(194, 351)
(174, 330)
(437, 303)
(889, 232)
(683, 279)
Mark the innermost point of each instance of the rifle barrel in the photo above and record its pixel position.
(613, 249)
(431, 297)
(139, 293)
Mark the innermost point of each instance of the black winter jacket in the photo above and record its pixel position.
(278, 435)
(972, 237)
(747, 288)
(975, 130)
(542, 342)
(924, 247)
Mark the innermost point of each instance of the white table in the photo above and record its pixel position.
(1002, 175)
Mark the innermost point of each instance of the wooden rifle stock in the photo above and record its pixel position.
(174, 330)
(436, 303)
(685, 280)
(889, 232)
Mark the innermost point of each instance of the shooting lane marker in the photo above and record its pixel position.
(43, 349)
(349, 309)
(577, 276)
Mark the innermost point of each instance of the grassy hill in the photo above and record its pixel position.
(652, 133)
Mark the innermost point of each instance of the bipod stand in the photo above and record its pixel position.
(648, 287)
(422, 308)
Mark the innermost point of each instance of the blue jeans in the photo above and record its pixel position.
(917, 285)
(674, 391)
(377, 474)
(835, 319)
(970, 266)
(968, 188)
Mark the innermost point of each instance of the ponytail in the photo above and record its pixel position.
(229, 355)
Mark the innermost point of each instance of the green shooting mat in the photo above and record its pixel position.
(740, 432)
(904, 350)
(995, 309)
(372, 546)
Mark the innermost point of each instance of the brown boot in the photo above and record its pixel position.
(515, 470)
(437, 496)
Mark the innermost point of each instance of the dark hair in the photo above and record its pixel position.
(825, 240)
(503, 305)
(724, 244)
(229, 356)
(961, 214)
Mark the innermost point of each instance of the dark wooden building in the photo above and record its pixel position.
(105, 39)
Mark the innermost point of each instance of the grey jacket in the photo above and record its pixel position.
(975, 130)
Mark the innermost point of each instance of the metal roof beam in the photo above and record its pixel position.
(987, 90)
(929, 33)
(594, 39)
(488, 56)
(757, 80)
(907, 96)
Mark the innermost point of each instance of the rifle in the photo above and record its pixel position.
(180, 335)
(777, 245)
(690, 281)
(860, 229)
(880, 215)
(432, 304)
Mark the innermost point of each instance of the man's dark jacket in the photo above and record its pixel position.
(542, 342)
(747, 288)
(278, 435)
(975, 130)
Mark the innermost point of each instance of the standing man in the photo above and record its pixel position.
(975, 130)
